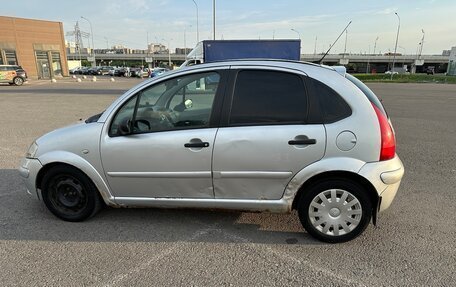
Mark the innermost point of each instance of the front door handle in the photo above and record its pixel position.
(302, 141)
(196, 144)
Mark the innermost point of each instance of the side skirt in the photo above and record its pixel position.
(274, 206)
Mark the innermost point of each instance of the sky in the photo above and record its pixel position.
(131, 22)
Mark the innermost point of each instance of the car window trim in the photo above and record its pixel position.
(214, 118)
(318, 115)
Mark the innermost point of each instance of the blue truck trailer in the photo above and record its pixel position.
(222, 50)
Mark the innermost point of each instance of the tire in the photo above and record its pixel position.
(330, 220)
(69, 194)
(18, 81)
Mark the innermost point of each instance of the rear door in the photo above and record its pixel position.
(264, 139)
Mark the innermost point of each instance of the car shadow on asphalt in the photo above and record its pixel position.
(23, 217)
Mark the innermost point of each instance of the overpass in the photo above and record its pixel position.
(357, 62)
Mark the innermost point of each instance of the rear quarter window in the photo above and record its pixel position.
(367, 92)
(327, 106)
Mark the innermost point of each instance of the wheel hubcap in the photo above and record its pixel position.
(67, 195)
(335, 212)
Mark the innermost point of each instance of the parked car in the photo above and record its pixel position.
(111, 72)
(75, 70)
(105, 70)
(391, 72)
(120, 72)
(135, 72)
(158, 71)
(139, 73)
(265, 136)
(430, 70)
(95, 71)
(84, 71)
(12, 74)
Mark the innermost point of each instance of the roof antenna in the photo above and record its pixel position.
(327, 52)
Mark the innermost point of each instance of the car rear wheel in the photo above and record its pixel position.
(69, 194)
(18, 81)
(335, 210)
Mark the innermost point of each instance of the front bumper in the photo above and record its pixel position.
(386, 177)
(28, 170)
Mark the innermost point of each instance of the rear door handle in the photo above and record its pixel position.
(196, 144)
(302, 142)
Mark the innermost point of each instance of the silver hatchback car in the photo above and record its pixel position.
(244, 135)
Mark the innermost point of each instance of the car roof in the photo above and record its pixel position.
(298, 65)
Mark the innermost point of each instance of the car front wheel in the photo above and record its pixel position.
(335, 211)
(69, 194)
(18, 81)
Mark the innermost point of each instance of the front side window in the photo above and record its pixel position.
(178, 103)
(268, 97)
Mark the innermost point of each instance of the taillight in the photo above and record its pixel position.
(388, 147)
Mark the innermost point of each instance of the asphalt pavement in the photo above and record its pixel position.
(414, 244)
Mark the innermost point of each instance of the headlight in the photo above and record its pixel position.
(32, 151)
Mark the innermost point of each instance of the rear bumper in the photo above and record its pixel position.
(386, 177)
(28, 170)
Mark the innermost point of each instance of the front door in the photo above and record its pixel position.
(160, 142)
(42, 63)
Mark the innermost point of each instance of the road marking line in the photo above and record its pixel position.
(146, 265)
(287, 257)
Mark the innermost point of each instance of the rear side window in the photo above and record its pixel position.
(369, 94)
(327, 105)
(268, 97)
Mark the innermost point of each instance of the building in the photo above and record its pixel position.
(36, 45)
(157, 48)
(183, 51)
(446, 52)
(452, 63)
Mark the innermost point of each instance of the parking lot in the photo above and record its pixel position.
(414, 244)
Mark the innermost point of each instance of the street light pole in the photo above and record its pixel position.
(422, 43)
(368, 60)
(169, 52)
(375, 44)
(300, 39)
(405, 53)
(197, 22)
(213, 17)
(185, 39)
(395, 48)
(93, 45)
(315, 47)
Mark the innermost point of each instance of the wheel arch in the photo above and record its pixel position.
(56, 158)
(343, 175)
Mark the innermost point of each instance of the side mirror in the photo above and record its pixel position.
(124, 127)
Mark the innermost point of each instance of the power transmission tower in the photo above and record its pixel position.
(78, 35)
